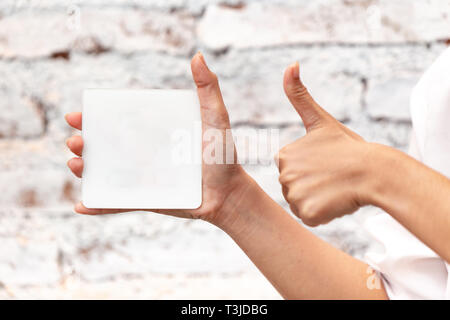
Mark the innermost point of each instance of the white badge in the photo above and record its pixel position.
(142, 149)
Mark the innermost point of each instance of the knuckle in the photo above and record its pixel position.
(295, 203)
(282, 155)
(280, 161)
(210, 83)
(283, 179)
(295, 211)
(310, 222)
(214, 78)
(309, 214)
(284, 151)
(295, 198)
(298, 91)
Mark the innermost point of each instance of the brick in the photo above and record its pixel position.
(193, 6)
(263, 100)
(390, 99)
(25, 262)
(357, 22)
(96, 31)
(395, 134)
(34, 175)
(21, 117)
(38, 188)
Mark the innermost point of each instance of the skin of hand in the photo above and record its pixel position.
(332, 171)
(220, 181)
(323, 174)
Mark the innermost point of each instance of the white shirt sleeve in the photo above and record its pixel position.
(409, 269)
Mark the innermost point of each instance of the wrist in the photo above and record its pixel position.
(384, 166)
(239, 201)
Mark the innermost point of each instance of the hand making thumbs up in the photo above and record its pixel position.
(323, 174)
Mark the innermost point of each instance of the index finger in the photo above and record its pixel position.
(74, 119)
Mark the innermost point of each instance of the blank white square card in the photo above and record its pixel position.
(141, 150)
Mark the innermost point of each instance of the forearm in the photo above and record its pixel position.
(415, 195)
(296, 262)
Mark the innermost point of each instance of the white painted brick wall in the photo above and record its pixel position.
(122, 30)
(359, 58)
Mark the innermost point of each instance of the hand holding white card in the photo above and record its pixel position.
(168, 190)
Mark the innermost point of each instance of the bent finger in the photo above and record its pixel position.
(80, 208)
(74, 119)
(76, 166)
(75, 144)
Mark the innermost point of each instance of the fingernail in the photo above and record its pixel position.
(68, 142)
(296, 70)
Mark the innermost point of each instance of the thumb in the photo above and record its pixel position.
(212, 107)
(311, 113)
